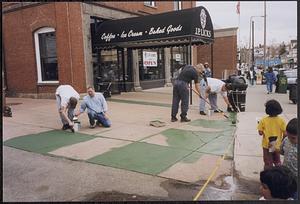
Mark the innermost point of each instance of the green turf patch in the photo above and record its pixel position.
(182, 139)
(141, 157)
(195, 156)
(219, 146)
(47, 141)
(214, 124)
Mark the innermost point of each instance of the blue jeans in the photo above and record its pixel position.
(269, 86)
(202, 92)
(212, 97)
(100, 119)
(70, 111)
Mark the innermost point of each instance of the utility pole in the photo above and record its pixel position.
(265, 17)
(252, 44)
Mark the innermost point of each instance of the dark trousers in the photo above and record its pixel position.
(180, 93)
(100, 119)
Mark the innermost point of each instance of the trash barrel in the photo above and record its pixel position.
(293, 93)
(282, 84)
(237, 96)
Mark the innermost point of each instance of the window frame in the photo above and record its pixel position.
(178, 4)
(150, 4)
(38, 55)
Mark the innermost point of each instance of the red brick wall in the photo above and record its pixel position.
(136, 6)
(18, 35)
(224, 55)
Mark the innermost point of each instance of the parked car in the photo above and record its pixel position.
(291, 75)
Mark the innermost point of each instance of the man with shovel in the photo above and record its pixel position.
(96, 106)
(181, 90)
(212, 87)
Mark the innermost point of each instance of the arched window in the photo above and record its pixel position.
(46, 57)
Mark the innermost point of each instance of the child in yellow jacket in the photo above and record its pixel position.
(272, 128)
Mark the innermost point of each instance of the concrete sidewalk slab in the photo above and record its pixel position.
(158, 139)
(248, 167)
(192, 168)
(249, 145)
(89, 149)
(131, 132)
(12, 129)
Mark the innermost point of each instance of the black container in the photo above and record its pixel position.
(238, 83)
(238, 100)
(293, 93)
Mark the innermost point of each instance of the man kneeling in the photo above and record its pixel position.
(96, 108)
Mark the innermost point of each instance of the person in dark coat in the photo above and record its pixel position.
(181, 90)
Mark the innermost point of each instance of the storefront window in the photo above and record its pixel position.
(46, 57)
(178, 58)
(151, 64)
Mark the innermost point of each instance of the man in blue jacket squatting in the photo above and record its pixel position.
(96, 106)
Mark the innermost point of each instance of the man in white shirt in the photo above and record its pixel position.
(66, 99)
(215, 86)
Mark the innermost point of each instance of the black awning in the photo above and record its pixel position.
(176, 28)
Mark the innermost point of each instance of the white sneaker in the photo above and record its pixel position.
(93, 126)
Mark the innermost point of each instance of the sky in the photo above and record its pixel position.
(281, 23)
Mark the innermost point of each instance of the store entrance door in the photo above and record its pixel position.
(111, 71)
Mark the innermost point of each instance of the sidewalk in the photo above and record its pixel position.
(183, 152)
(248, 151)
(176, 151)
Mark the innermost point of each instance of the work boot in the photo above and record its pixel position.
(92, 126)
(185, 119)
(65, 127)
(202, 113)
(174, 119)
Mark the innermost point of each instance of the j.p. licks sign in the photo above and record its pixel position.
(185, 23)
(203, 31)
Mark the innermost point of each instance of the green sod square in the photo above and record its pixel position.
(192, 158)
(183, 139)
(207, 136)
(219, 146)
(47, 141)
(214, 124)
(141, 157)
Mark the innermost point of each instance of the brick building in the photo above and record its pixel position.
(47, 44)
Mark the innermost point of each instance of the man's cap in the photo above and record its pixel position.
(206, 63)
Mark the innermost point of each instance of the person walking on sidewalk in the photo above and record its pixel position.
(207, 70)
(212, 88)
(181, 90)
(96, 106)
(272, 129)
(251, 76)
(270, 79)
(66, 99)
